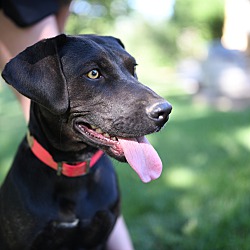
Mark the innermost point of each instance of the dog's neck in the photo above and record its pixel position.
(49, 131)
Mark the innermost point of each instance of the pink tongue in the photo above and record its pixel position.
(142, 157)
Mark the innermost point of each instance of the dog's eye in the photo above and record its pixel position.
(93, 74)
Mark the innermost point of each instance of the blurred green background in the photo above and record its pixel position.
(201, 201)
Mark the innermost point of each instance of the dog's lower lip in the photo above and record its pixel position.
(98, 137)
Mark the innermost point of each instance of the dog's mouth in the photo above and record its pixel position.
(101, 139)
(138, 152)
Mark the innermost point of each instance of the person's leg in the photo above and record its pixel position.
(120, 238)
(14, 39)
(62, 16)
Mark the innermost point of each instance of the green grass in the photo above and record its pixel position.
(12, 128)
(201, 201)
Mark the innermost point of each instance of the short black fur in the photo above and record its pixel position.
(40, 210)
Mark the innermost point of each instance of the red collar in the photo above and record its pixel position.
(44, 156)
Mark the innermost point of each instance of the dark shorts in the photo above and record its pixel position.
(27, 12)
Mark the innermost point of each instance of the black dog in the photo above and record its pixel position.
(85, 98)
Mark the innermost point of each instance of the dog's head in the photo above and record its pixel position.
(89, 84)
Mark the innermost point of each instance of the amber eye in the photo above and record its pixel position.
(93, 74)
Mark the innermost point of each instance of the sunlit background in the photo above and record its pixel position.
(197, 55)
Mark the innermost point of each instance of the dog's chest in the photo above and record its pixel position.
(85, 216)
(89, 233)
(62, 213)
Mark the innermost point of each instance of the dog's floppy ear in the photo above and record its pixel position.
(37, 73)
(119, 41)
(114, 41)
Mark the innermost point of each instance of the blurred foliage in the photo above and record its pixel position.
(95, 16)
(185, 34)
(195, 23)
(205, 16)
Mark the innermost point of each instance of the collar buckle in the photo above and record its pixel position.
(59, 168)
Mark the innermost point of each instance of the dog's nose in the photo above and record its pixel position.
(159, 112)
